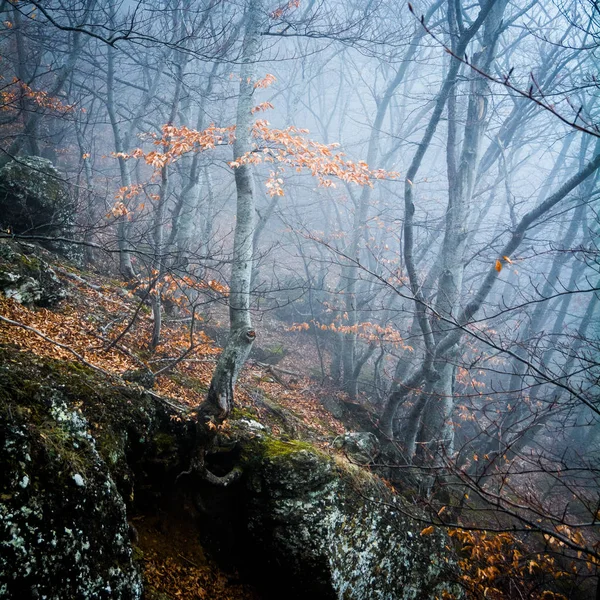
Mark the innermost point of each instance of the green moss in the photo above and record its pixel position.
(53, 441)
(165, 442)
(189, 382)
(277, 350)
(58, 443)
(23, 383)
(57, 497)
(243, 413)
(262, 447)
(273, 448)
(138, 553)
(69, 369)
(29, 262)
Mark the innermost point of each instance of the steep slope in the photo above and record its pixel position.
(98, 500)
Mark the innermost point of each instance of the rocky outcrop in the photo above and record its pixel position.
(35, 200)
(63, 524)
(361, 447)
(79, 451)
(26, 277)
(331, 530)
(75, 449)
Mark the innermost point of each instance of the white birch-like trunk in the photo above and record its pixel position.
(219, 401)
(123, 225)
(436, 436)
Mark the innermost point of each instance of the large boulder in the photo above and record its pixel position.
(35, 200)
(78, 452)
(328, 530)
(63, 527)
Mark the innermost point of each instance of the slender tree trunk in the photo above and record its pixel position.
(263, 219)
(523, 438)
(89, 252)
(31, 114)
(397, 397)
(185, 213)
(539, 312)
(158, 262)
(158, 265)
(219, 401)
(559, 322)
(123, 224)
(517, 420)
(436, 436)
(350, 271)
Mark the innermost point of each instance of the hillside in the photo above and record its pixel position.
(85, 424)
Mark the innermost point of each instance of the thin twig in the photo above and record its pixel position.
(134, 317)
(505, 81)
(192, 346)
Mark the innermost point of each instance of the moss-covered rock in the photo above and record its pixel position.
(34, 199)
(332, 530)
(63, 526)
(26, 277)
(361, 447)
(73, 448)
(78, 450)
(270, 355)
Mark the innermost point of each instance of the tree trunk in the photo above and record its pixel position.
(436, 435)
(123, 225)
(219, 401)
(397, 397)
(349, 275)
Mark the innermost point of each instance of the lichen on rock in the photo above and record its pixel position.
(78, 450)
(360, 446)
(63, 527)
(35, 200)
(26, 277)
(335, 530)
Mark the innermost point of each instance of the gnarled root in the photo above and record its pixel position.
(211, 445)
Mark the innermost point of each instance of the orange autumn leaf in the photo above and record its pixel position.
(265, 82)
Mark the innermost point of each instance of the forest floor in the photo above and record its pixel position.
(108, 326)
(99, 310)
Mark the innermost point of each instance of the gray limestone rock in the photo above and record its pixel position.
(361, 447)
(63, 526)
(336, 531)
(26, 277)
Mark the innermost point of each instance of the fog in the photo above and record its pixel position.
(454, 292)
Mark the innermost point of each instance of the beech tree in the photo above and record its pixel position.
(427, 425)
(241, 335)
